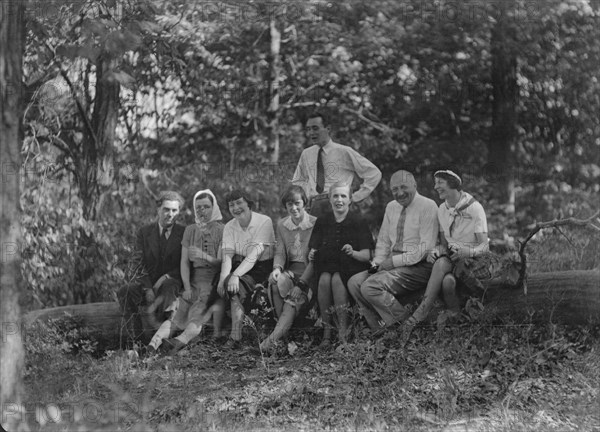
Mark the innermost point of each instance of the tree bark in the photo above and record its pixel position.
(98, 171)
(104, 318)
(274, 112)
(567, 297)
(500, 167)
(11, 70)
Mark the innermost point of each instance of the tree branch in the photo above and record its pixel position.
(375, 125)
(84, 117)
(551, 224)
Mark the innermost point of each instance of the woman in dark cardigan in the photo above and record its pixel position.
(340, 246)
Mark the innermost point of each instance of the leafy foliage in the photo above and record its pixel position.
(408, 85)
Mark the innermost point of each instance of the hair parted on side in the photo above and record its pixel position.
(290, 194)
(321, 114)
(236, 194)
(341, 184)
(169, 196)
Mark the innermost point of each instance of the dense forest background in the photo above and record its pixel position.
(123, 99)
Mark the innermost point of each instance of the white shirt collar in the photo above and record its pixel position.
(327, 146)
(160, 229)
(304, 224)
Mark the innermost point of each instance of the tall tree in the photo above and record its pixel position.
(11, 353)
(274, 112)
(503, 134)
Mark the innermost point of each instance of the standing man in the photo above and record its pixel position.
(326, 163)
(409, 230)
(157, 260)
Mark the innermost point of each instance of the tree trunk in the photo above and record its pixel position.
(11, 353)
(99, 149)
(569, 297)
(104, 318)
(273, 112)
(500, 167)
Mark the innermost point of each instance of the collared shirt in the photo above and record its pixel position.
(259, 233)
(167, 229)
(292, 240)
(341, 163)
(467, 222)
(420, 231)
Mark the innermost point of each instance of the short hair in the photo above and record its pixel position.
(205, 195)
(453, 180)
(340, 184)
(321, 114)
(169, 196)
(236, 194)
(291, 192)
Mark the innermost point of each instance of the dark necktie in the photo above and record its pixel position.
(400, 231)
(163, 240)
(320, 172)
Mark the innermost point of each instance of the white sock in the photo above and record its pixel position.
(163, 331)
(190, 332)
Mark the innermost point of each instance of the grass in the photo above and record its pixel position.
(484, 376)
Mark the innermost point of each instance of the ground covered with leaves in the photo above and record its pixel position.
(473, 376)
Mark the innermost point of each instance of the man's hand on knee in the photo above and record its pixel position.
(386, 265)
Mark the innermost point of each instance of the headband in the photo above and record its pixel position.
(450, 173)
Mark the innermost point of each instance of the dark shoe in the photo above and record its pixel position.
(384, 331)
(172, 346)
(232, 344)
(255, 350)
(220, 340)
(147, 351)
(325, 344)
(404, 333)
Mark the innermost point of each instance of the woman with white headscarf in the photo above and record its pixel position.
(200, 264)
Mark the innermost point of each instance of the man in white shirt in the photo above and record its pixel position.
(463, 254)
(326, 163)
(408, 231)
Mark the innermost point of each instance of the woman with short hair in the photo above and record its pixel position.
(340, 245)
(461, 255)
(288, 293)
(248, 243)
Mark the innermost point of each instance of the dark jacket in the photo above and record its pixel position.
(152, 264)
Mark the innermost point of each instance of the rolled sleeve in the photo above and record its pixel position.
(367, 171)
(383, 246)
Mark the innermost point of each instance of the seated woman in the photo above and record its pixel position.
(460, 255)
(340, 245)
(248, 242)
(291, 259)
(200, 262)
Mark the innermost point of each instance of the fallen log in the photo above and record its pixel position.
(567, 297)
(99, 318)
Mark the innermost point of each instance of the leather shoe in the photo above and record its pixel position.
(232, 344)
(171, 346)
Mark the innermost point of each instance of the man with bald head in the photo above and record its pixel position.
(408, 231)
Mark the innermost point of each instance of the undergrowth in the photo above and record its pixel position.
(485, 373)
(488, 375)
